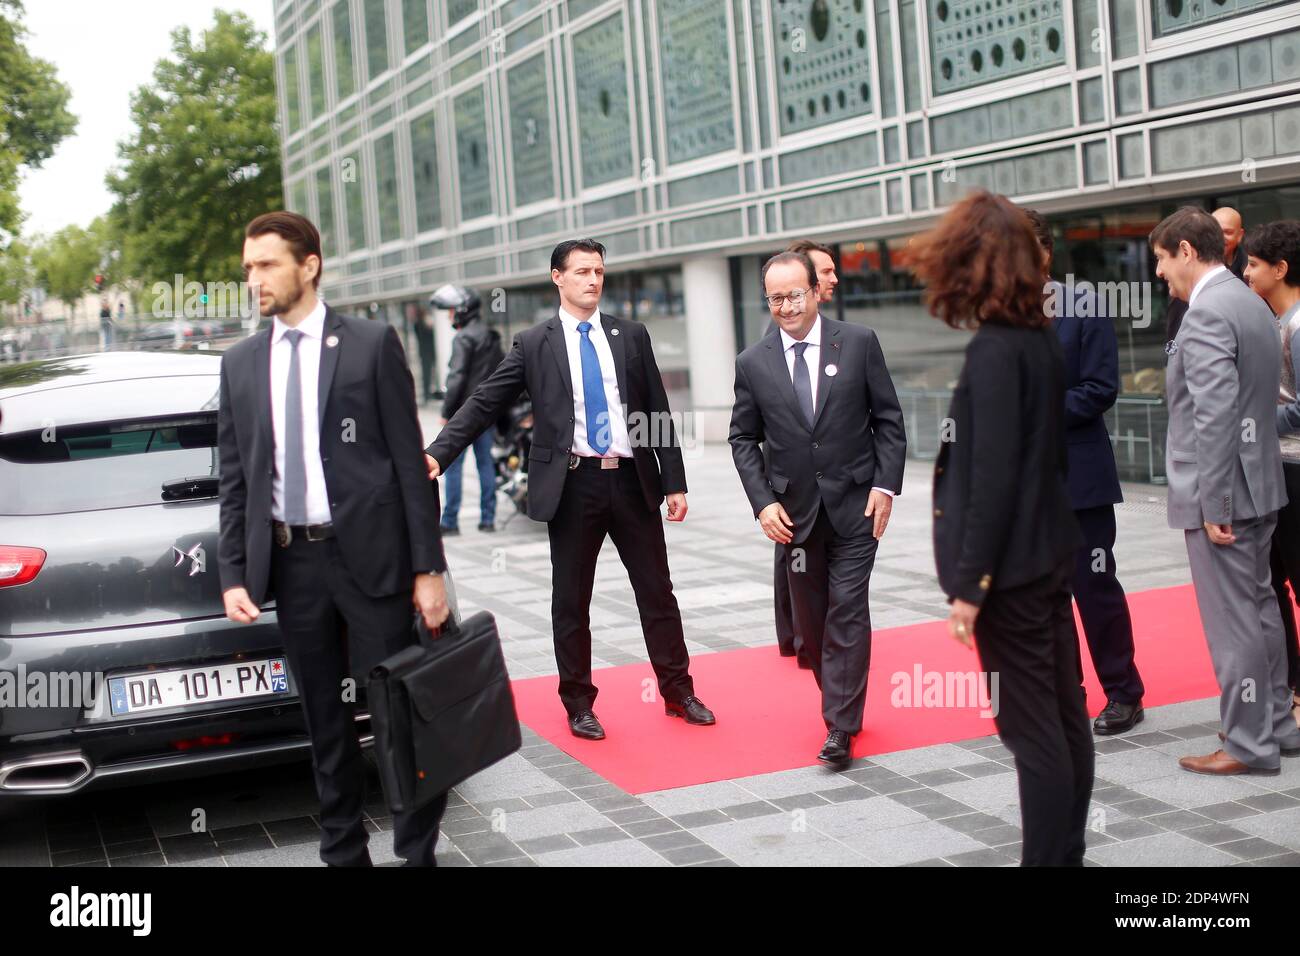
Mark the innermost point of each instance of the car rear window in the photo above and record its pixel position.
(112, 465)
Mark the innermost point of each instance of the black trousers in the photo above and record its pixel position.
(333, 632)
(830, 577)
(1284, 558)
(598, 502)
(1103, 607)
(787, 640)
(1025, 636)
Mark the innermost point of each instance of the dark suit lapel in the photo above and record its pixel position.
(329, 361)
(775, 351)
(555, 338)
(830, 355)
(614, 335)
(262, 385)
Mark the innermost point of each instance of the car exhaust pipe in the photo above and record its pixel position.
(50, 773)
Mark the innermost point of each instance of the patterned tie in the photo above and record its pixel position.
(295, 466)
(803, 381)
(593, 393)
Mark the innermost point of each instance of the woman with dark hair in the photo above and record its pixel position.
(1004, 533)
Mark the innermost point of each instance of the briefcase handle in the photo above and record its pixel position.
(448, 628)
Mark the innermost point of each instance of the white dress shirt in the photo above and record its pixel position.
(811, 355)
(309, 346)
(1191, 299)
(620, 444)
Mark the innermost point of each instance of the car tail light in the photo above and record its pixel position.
(208, 740)
(19, 565)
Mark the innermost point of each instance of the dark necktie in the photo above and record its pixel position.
(295, 465)
(803, 381)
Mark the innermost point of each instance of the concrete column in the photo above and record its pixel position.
(711, 342)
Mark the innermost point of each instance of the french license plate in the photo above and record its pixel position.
(192, 686)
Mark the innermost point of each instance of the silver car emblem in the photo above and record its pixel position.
(197, 556)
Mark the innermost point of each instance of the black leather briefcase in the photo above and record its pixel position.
(441, 710)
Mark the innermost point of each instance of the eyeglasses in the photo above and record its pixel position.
(796, 298)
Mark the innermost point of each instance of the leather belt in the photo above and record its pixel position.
(285, 533)
(590, 461)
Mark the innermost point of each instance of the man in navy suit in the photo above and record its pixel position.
(1092, 385)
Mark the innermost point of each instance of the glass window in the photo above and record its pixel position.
(376, 37)
(292, 104)
(354, 202)
(390, 220)
(697, 78)
(315, 72)
(458, 10)
(1019, 36)
(472, 167)
(604, 122)
(530, 131)
(415, 24)
(345, 67)
(325, 213)
(424, 164)
(823, 64)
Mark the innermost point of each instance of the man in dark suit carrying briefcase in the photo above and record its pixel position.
(604, 455)
(326, 503)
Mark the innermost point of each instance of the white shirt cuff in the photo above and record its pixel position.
(884, 491)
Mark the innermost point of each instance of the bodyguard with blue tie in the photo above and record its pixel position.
(605, 454)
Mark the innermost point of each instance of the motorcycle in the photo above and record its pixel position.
(510, 446)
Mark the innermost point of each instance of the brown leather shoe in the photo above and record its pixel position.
(1222, 764)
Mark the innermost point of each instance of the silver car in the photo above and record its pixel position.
(117, 662)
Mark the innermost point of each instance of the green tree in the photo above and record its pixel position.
(67, 262)
(204, 159)
(34, 115)
(16, 273)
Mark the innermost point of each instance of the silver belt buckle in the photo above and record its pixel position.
(283, 535)
(312, 537)
(607, 463)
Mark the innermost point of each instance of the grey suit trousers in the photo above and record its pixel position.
(1244, 631)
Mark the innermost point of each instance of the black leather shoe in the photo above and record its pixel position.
(586, 726)
(1117, 718)
(692, 708)
(488, 528)
(838, 749)
(804, 663)
(786, 653)
(446, 532)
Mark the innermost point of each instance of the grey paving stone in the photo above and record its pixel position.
(998, 836)
(1215, 833)
(755, 808)
(970, 822)
(1226, 811)
(1131, 829)
(982, 857)
(845, 794)
(621, 853)
(558, 818)
(644, 828)
(708, 796)
(1266, 802)
(800, 801)
(632, 814)
(671, 841)
(602, 835)
(988, 768)
(700, 818)
(686, 855)
(552, 798)
(1144, 807)
(1252, 848)
(932, 778)
(1281, 827)
(1178, 820)
(1161, 849)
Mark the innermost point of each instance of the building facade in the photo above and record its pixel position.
(457, 141)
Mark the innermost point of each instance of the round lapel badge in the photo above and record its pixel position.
(613, 331)
(332, 341)
(831, 370)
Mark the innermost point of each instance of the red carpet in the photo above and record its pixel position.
(769, 711)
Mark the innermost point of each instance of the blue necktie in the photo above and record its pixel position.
(593, 393)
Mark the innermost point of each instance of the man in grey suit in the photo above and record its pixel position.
(1226, 486)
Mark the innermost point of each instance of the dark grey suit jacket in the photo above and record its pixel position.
(856, 441)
